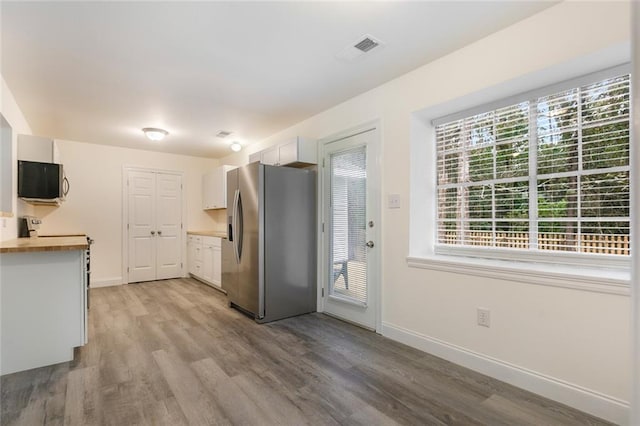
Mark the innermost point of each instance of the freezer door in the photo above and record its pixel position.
(247, 247)
(229, 261)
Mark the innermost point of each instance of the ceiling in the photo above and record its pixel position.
(100, 71)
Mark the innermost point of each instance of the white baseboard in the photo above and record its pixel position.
(589, 401)
(106, 282)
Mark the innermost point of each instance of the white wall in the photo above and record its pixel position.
(94, 203)
(19, 125)
(571, 345)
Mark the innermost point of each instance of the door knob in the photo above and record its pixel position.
(159, 232)
(370, 244)
(153, 232)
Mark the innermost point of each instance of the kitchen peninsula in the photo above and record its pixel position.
(43, 293)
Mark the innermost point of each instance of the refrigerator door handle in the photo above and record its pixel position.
(235, 224)
(240, 227)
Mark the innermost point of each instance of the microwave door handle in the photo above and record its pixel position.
(65, 186)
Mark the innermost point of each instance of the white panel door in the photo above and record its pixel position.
(155, 225)
(168, 226)
(142, 240)
(350, 244)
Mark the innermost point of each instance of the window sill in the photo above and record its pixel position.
(599, 280)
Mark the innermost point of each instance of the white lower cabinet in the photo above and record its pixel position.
(204, 259)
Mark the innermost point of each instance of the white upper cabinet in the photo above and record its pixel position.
(270, 156)
(293, 152)
(36, 148)
(214, 188)
(256, 156)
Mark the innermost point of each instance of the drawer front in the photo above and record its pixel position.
(198, 253)
(197, 239)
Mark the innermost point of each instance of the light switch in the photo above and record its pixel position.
(394, 201)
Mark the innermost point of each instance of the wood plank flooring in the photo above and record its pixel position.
(172, 353)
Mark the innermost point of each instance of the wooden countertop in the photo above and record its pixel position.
(219, 234)
(25, 245)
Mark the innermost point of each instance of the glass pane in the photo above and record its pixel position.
(512, 234)
(606, 100)
(605, 237)
(558, 153)
(449, 167)
(480, 165)
(479, 202)
(605, 146)
(558, 197)
(605, 195)
(512, 200)
(558, 235)
(348, 275)
(479, 234)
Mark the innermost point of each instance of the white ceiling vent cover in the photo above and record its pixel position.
(364, 45)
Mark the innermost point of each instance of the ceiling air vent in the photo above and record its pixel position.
(359, 48)
(223, 134)
(366, 45)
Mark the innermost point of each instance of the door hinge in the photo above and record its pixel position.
(322, 226)
(322, 291)
(128, 272)
(127, 226)
(181, 265)
(323, 162)
(180, 226)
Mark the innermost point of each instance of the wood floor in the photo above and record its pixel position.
(172, 353)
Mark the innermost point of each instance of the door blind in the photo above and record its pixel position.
(348, 276)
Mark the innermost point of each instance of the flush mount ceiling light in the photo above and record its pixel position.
(155, 134)
(235, 146)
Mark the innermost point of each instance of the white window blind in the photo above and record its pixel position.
(546, 173)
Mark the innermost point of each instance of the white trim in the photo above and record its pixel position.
(126, 168)
(587, 400)
(348, 301)
(595, 280)
(568, 259)
(634, 158)
(107, 282)
(583, 80)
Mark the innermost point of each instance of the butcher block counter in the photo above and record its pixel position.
(21, 245)
(218, 234)
(43, 286)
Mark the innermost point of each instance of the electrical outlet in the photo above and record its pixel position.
(394, 201)
(484, 317)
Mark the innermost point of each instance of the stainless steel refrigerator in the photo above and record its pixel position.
(269, 257)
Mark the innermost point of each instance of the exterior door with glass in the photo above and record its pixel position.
(350, 219)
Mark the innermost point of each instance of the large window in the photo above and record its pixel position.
(548, 173)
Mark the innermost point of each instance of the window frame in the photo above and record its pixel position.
(614, 261)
